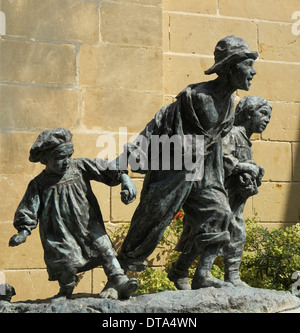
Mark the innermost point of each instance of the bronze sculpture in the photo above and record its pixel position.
(242, 178)
(242, 175)
(205, 109)
(72, 230)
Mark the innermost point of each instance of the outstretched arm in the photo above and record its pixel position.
(26, 216)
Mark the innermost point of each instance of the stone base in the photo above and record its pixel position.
(208, 300)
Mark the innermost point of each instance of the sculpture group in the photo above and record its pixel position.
(72, 231)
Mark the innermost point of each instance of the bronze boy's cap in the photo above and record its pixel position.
(49, 140)
(228, 49)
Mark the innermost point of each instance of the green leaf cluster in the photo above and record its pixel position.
(270, 258)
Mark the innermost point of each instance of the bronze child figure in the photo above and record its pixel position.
(71, 228)
(207, 210)
(202, 109)
(242, 175)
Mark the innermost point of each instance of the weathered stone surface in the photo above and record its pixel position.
(191, 6)
(131, 24)
(285, 122)
(124, 104)
(100, 66)
(56, 20)
(274, 89)
(12, 188)
(27, 107)
(276, 42)
(208, 300)
(276, 159)
(296, 160)
(23, 61)
(191, 34)
(23, 257)
(181, 70)
(278, 202)
(143, 2)
(263, 10)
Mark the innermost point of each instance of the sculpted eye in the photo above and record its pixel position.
(264, 112)
(249, 62)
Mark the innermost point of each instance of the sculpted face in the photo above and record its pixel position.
(242, 74)
(260, 119)
(59, 164)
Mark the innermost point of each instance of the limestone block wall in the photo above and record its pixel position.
(98, 66)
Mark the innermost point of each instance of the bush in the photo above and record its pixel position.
(154, 281)
(269, 260)
(270, 256)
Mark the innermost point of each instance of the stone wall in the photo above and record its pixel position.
(97, 66)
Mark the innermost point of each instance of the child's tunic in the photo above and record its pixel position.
(71, 226)
(237, 148)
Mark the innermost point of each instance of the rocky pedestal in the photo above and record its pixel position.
(208, 300)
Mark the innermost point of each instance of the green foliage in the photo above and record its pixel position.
(119, 235)
(269, 260)
(154, 281)
(270, 256)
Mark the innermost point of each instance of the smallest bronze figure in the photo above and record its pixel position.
(71, 227)
(242, 176)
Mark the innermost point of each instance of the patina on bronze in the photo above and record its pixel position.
(242, 175)
(207, 109)
(71, 227)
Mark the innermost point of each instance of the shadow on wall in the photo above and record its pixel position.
(292, 213)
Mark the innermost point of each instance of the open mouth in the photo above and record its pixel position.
(249, 79)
